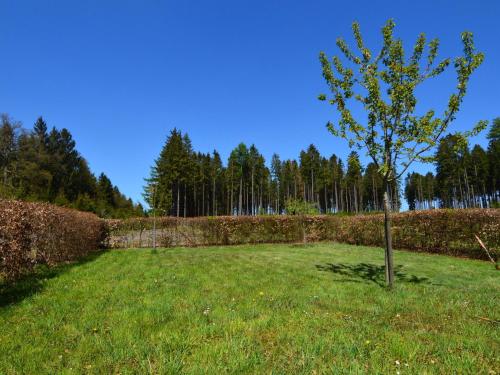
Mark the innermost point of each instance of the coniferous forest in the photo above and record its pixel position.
(187, 183)
(464, 178)
(44, 165)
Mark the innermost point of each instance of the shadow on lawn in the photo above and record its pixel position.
(14, 292)
(369, 272)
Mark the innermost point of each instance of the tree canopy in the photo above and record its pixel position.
(43, 165)
(384, 83)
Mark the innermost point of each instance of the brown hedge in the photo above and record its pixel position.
(40, 233)
(439, 231)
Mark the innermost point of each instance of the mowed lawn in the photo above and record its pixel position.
(298, 309)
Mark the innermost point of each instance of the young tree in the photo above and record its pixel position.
(384, 84)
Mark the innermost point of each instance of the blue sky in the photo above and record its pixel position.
(120, 74)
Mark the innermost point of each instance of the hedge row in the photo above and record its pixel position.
(39, 233)
(439, 231)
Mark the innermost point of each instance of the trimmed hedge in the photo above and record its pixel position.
(40, 233)
(439, 231)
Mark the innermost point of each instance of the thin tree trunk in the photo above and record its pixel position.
(389, 266)
(240, 201)
(246, 200)
(341, 199)
(214, 205)
(356, 207)
(278, 199)
(312, 185)
(197, 213)
(185, 200)
(178, 199)
(253, 199)
(336, 199)
(232, 194)
(326, 200)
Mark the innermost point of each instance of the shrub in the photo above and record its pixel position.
(300, 207)
(440, 231)
(40, 233)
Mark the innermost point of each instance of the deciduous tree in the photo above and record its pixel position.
(384, 83)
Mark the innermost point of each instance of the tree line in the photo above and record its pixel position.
(186, 183)
(464, 178)
(44, 165)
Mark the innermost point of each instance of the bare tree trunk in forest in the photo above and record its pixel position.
(240, 201)
(247, 203)
(469, 195)
(203, 199)
(269, 204)
(326, 200)
(261, 188)
(178, 198)
(341, 195)
(232, 195)
(185, 200)
(354, 192)
(336, 199)
(278, 199)
(312, 185)
(419, 194)
(349, 200)
(214, 204)
(485, 197)
(360, 199)
(253, 199)
(197, 213)
(461, 192)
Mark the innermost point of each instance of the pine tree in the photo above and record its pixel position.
(276, 175)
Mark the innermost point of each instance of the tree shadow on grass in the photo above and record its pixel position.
(28, 285)
(369, 273)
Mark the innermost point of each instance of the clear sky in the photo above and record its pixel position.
(120, 74)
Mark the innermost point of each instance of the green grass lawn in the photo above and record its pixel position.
(253, 309)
